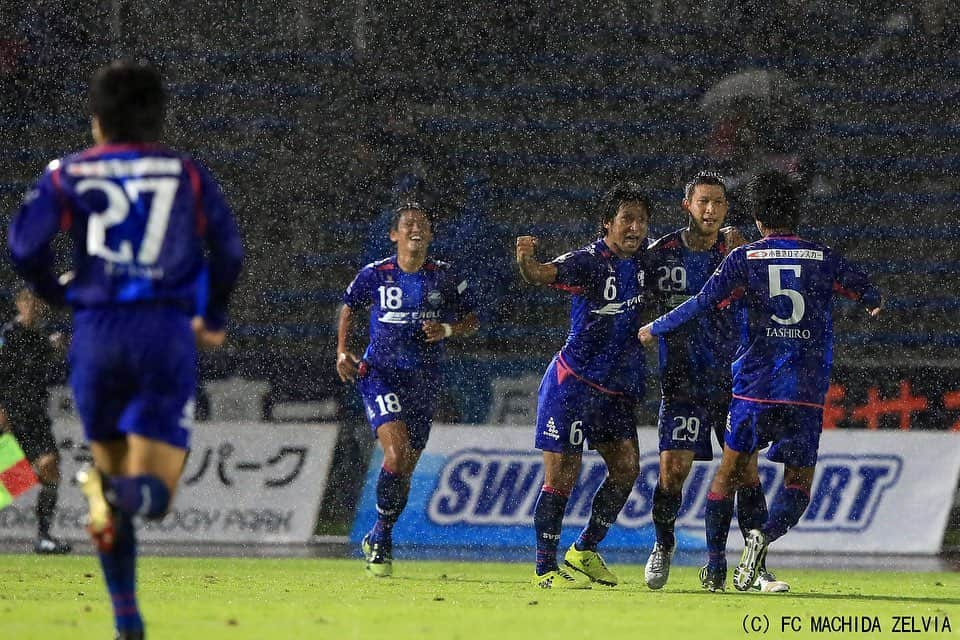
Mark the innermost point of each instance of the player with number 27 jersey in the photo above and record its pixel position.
(141, 216)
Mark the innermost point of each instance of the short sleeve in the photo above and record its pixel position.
(465, 293)
(358, 293)
(575, 270)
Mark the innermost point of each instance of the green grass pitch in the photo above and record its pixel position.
(47, 598)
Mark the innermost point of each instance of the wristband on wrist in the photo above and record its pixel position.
(447, 329)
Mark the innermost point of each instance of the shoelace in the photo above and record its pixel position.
(657, 563)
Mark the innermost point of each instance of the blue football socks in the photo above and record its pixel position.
(607, 503)
(548, 520)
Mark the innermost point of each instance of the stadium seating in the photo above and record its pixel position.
(306, 127)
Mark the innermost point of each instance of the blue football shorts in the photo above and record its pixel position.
(791, 430)
(133, 370)
(398, 395)
(687, 424)
(571, 411)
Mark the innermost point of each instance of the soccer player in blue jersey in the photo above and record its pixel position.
(590, 391)
(694, 363)
(141, 217)
(416, 303)
(781, 371)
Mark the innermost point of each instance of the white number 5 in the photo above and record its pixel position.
(799, 306)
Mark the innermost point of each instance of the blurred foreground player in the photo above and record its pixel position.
(782, 366)
(141, 217)
(416, 303)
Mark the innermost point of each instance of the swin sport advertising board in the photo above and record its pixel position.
(242, 483)
(476, 487)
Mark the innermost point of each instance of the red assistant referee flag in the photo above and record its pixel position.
(16, 474)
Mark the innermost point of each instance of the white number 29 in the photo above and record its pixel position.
(119, 199)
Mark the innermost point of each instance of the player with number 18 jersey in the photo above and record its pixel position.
(416, 304)
(400, 370)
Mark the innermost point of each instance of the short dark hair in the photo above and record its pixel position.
(773, 198)
(408, 206)
(704, 177)
(620, 193)
(129, 101)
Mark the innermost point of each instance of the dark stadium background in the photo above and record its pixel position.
(512, 118)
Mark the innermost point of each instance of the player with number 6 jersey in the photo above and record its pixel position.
(145, 222)
(416, 303)
(590, 391)
(781, 371)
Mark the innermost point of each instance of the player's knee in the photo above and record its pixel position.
(625, 473)
(673, 473)
(395, 459)
(672, 481)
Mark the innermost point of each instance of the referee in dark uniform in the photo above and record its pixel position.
(27, 356)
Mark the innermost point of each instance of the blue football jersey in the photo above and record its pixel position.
(695, 359)
(786, 337)
(141, 217)
(608, 294)
(399, 304)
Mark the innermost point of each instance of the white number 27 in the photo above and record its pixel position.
(119, 199)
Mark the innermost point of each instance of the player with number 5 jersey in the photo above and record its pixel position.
(590, 391)
(416, 303)
(781, 370)
(145, 222)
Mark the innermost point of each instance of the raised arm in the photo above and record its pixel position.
(720, 286)
(531, 270)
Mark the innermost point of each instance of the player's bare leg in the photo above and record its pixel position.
(393, 488)
(622, 458)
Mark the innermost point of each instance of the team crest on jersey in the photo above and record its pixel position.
(434, 298)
